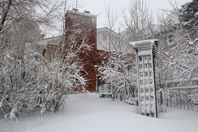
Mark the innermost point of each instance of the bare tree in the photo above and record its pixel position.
(118, 69)
(138, 20)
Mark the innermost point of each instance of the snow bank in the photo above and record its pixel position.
(89, 113)
(118, 122)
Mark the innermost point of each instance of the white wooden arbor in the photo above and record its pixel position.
(145, 53)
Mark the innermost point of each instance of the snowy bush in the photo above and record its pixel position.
(119, 73)
(30, 83)
(19, 90)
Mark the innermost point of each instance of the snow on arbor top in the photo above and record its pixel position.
(144, 45)
(143, 42)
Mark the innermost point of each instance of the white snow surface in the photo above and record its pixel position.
(89, 113)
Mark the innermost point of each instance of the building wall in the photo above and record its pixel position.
(49, 52)
(107, 40)
(81, 28)
(47, 46)
(110, 41)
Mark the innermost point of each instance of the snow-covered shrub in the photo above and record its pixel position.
(59, 80)
(19, 82)
(118, 71)
(27, 81)
(31, 83)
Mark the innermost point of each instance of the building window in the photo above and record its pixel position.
(104, 37)
(140, 58)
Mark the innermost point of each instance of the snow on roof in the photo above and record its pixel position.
(81, 13)
(106, 29)
(46, 41)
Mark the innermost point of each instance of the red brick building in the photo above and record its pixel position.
(81, 28)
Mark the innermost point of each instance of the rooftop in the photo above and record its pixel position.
(85, 13)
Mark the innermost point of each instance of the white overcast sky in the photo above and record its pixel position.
(98, 7)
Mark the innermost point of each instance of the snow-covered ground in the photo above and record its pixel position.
(89, 113)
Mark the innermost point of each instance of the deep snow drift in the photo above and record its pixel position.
(89, 113)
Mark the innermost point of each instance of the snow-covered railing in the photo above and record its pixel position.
(185, 87)
(179, 84)
(181, 94)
